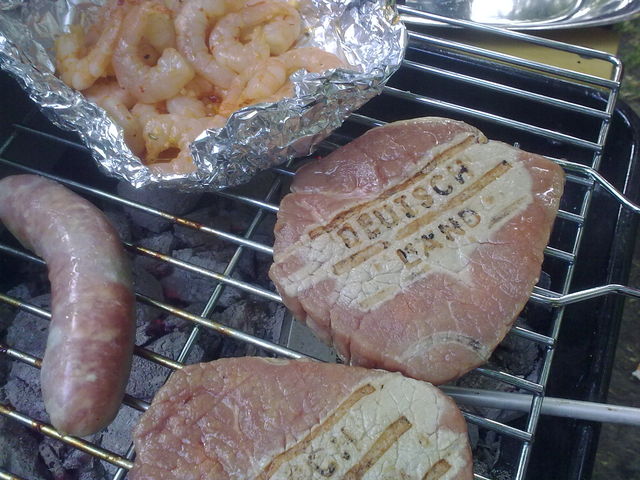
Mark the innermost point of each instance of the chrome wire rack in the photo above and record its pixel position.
(444, 74)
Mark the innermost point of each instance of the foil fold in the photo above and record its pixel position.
(368, 34)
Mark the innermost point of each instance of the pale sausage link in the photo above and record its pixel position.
(90, 345)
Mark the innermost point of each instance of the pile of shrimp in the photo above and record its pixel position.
(167, 70)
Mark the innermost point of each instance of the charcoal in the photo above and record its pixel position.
(28, 332)
(257, 318)
(22, 291)
(164, 243)
(121, 223)
(17, 447)
(487, 453)
(164, 199)
(23, 391)
(212, 216)
(67, 462)
(117, 437)
(189, 287)
(147, 376)
(148, 285)
(518, 355)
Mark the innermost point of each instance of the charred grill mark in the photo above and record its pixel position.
(361, 256)
(435, 162)
(378, 297)
(325, 426)
(506, 211)
(489, 177)
(437, 470)
(387, 438)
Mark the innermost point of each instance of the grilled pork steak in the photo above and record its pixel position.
(253, 418)
(414, 247)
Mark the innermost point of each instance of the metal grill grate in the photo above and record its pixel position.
(443, 74)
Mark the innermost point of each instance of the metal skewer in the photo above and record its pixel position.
(557, 407)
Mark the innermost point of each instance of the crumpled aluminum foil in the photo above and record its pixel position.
(367, 33)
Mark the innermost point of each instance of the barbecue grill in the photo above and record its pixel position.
(572, 318)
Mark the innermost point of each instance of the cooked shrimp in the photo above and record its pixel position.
(174, 5)
(312, 59)
(268, 80)
(168, 137)
(145, 112)
(254, 84)
(148, 84)
(186, 107)
(117, 101)
(79, 65)
(192, 25)
(159, 31)
(240, 39)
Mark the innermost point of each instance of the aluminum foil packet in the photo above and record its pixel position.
(368, 34)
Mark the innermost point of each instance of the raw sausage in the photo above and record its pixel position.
(90, 344)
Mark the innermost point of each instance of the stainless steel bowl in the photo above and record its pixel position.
(533, 14)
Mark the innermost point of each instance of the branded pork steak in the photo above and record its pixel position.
(414, 247)
(255, 418)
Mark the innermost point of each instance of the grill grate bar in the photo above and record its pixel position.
(496, 426)
(219, 277)
(507, 122)
(573, 217)
(141, 405)
(153, 211)
(559, 254)
(533, 336)
(248, 200)
(520, 62)
(198, 320)
(601, 181)
(517, 92)
(36, 362)
(557, 300)
(76, 442)
(51, 137)
(42, 313)
(511, 380)
(4, 475)
(371, 122)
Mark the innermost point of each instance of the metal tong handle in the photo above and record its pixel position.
(548, 297)
(558, 300)
(599, 179)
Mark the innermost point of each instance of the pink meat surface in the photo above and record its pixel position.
(414, 247)
(90, 343)
(252, 418)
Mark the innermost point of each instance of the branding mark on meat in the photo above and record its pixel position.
(430, 222)
(383, 443)
(372, 434)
